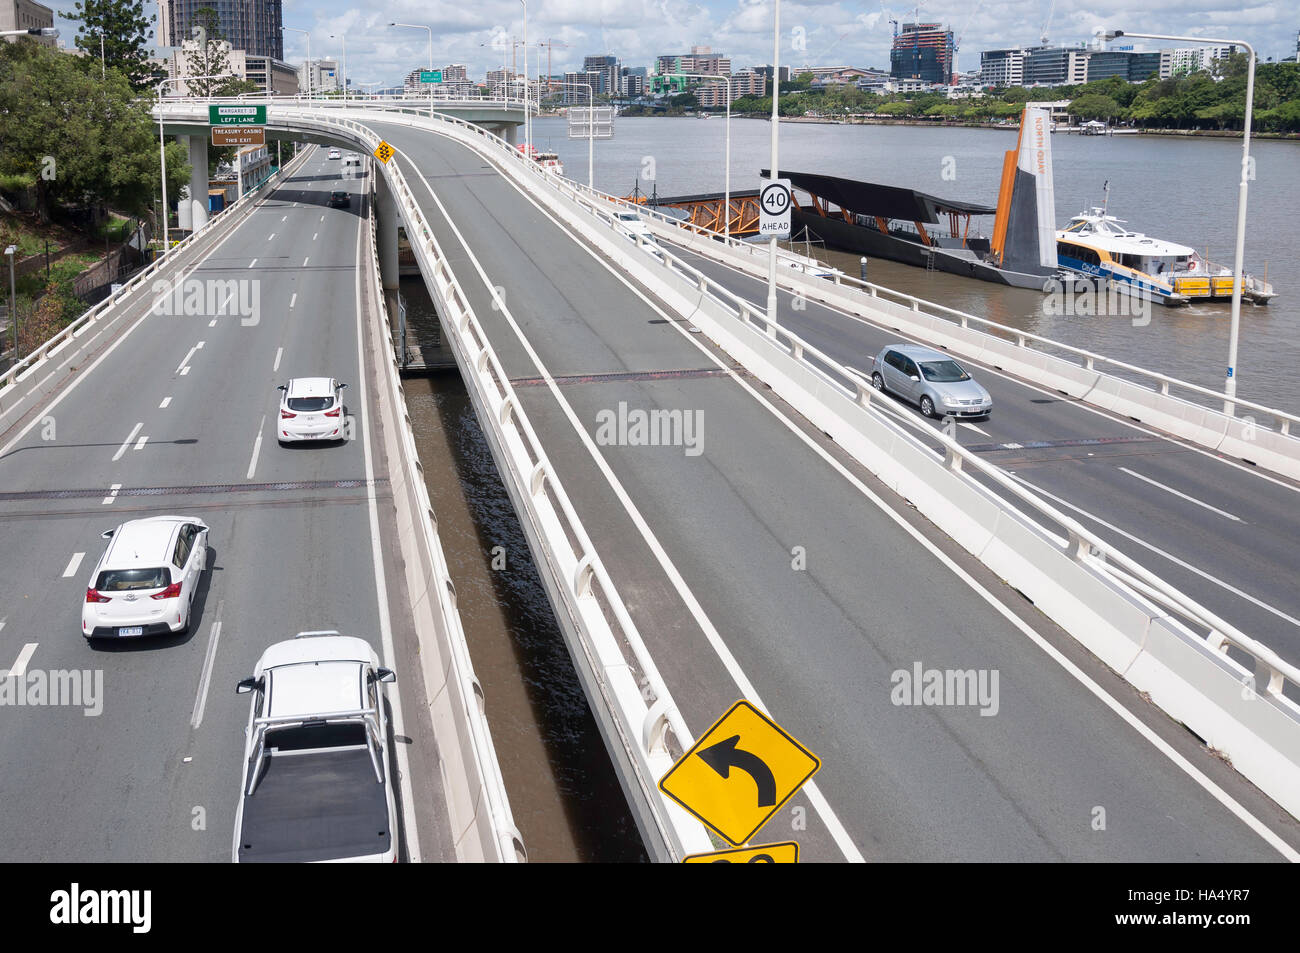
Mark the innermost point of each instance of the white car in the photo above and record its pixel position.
(317, 786)
(144, 584)
(311, 408)
(635, 226)
(335, 154)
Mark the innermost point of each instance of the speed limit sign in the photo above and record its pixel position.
(774, 208)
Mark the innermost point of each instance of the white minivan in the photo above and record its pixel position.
(144, 584)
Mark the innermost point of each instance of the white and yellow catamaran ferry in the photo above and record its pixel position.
(1097, 244)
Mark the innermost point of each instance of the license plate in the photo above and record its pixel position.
(131, 630)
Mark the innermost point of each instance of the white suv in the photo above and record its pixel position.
(311, 408)
(144, 584)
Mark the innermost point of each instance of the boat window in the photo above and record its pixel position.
(943, 372)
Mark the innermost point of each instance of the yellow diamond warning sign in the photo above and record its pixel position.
(383, 152)
(786, 852)
(739, 773)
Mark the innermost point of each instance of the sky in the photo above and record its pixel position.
(831, 33)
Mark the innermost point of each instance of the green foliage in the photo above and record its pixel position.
(125, 31)
(86, 139)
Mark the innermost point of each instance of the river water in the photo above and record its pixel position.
(1181, 189)
(565, 798)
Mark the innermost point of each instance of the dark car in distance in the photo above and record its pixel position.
(340, 198)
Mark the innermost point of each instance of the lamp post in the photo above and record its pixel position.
(10, 253)
(344, 38)
(776, 168)
(162, 149)
(726, 195)
(306, 33)
(527, 104)
(420, 26)
(591, 124)
(1230, 383)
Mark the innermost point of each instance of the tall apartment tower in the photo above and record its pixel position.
(922, 51)
(254, 26)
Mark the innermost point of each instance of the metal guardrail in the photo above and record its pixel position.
(1081, 543)
(646, 723)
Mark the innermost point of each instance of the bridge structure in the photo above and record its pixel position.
(1109, 555)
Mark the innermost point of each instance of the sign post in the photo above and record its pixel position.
(431, 76)
(229, 114)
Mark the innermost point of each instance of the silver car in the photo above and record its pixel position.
(930, 379)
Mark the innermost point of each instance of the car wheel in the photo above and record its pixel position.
(927, 406)
(878, 382)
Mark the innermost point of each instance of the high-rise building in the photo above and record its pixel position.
(1130, 66)
(1178, 62)
(455, 73)
(922, 51)
(713, 94)
(632, 80)
(271, 75)
(766, 72)
(606, 68)
(1056, 65)
(575, 87)
(702, 59)
(324, 75)
(1002, 67)
(26, 15)
(254, 26)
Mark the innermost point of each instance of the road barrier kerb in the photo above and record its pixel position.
(483, 827)
(1081, 593)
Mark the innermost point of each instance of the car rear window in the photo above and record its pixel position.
(340, 195)
(308, 404)
(318, 735)
(944, 372)
(129, 580)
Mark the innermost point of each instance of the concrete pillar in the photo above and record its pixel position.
(386, 228)
(198, 198)
(510, 133)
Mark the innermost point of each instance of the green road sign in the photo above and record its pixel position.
(431, 76)
(232, 115)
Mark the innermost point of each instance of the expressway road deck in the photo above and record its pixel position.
(705, 549)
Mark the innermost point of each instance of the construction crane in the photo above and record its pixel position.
(551, 44)
(956, 46)
(1047, 24)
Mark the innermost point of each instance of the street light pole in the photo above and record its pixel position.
(421, 26)
(10, 253)
(726, 195)
(306, 33)
(527, 104)
(776, 168)
(1230, 382)
(344, 38)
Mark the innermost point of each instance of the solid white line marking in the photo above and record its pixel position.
(1157, 550)
(199, 346)
(257, 448)
(112, 494)
(818, 801)
(381, 590)
(279, 351)
(205, 677)
(19, 668)
(293, 298)
(139, 444)
(1169, 489)
(972, 427)
(73, 563)
(165, 402)
(252, 263)
(127, 442)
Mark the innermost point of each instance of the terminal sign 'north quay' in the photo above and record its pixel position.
(236, 115)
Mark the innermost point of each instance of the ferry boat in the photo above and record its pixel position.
(549, 161)
(1097, 244)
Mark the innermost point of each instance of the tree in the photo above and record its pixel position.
(88, 140)
(1095, 106)
(125, 29)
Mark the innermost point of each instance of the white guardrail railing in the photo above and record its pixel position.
(481, 821)
(648, 727)
(840, 401)
(824, 378)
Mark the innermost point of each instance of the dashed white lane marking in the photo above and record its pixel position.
(973, 427)
(313, 235)
(112, 494)
(283, 217)
(1170, 489)
(322, 218)
(185, 370)
(252, 263)
(305, 260)
(180, 368)
(279, 352)
(19, 668)
(212, 323)
(73, 563)
(293, 298)
(271, 236)
(257, 448)
(165, 402)
(139, 444)
(127, 442)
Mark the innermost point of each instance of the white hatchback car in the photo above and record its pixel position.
(311, 408)
(144, 584)
(335, 154)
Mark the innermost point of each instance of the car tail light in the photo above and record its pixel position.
(93, 595)
(171, 592)
(333, 413)
(285, 415)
